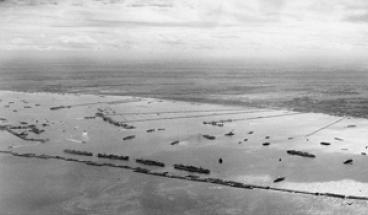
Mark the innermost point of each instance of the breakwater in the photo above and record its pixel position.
(111, 121)
(218, 181)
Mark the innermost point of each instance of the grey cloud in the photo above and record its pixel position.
(271, 5)
(266, 11)
(30, 2)
(362, 18)
(171, 40)
(355, 11)
(157, 3)
(126, 23)
(136, 3)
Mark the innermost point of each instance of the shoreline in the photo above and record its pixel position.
(196, 100)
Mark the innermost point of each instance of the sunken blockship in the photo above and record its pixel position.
(214, 123)
(191, 168)
(113, 122)
(300, 153)
(77, 152)
(150, 162)
(230, 134)
(189, 177)
(175, 142)
(209, 137)
(219, 123)
(129, 137)
(113, 157)
(60, 107)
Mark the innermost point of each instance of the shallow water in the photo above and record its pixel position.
(244, 161)
(31, 186)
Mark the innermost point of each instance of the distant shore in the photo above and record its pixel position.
(335, 107)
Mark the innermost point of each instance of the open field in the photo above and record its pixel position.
(54, 140)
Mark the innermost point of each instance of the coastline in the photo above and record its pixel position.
(206, 99)
(239, 141)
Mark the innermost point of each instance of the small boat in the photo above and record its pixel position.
(279, 179)
(230, 134)
(325, 143)
(348, 161)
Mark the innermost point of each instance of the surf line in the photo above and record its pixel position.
(228, 183)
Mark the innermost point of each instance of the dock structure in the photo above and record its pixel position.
(113, 157)
(150, 162)
(191, 177)
(78, 152)
(190, 168)
(113, 122)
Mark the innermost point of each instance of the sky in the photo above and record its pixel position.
(186, 28)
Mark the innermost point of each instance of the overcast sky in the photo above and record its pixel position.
(222, 28)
